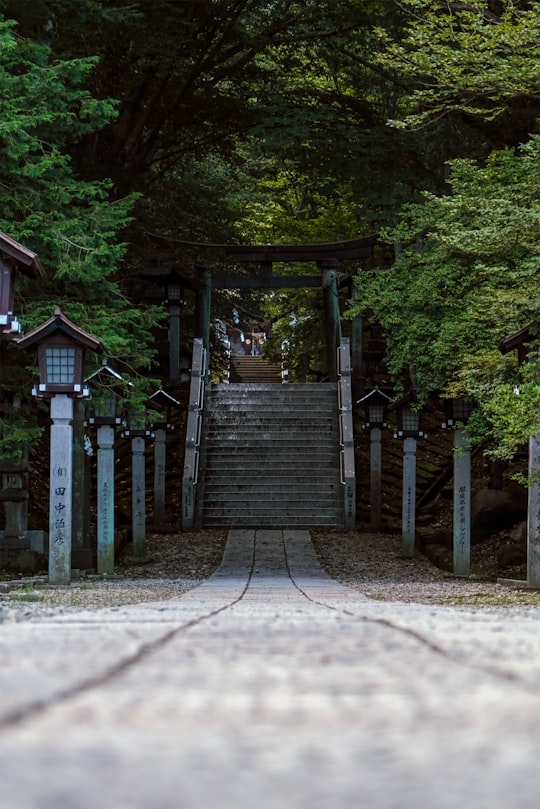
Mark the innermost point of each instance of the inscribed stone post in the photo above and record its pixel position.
(105, 499)
(533, 522)
(375, 436)
(462, 503)
(61, 487)
(409, 497)
(160, 438)
(138, 473)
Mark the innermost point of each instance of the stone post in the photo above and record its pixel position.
(61, 489)
(105, 499)
(375, 486)
(160, 457)
(409, 497)
(533, 521)
(138, 500)
(462, 503)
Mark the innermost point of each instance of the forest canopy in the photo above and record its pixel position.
(240, 121)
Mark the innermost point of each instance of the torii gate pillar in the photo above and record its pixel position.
(332, 325)
(203, 300)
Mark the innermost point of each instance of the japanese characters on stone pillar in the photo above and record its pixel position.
(138, 433)
(533, 521)
(458, 411)
(61, 346)
(61, 489)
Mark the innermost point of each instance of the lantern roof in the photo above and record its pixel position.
(160, 400)
(28, 261)
(409, 398)
(60, 323)
(105, 373)
(375, 395)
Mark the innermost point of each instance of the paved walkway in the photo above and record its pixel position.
(269, 686)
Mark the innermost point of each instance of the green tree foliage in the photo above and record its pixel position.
(466, 278)
(72, 223)
(479, 59)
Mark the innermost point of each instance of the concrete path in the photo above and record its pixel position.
(270, 686)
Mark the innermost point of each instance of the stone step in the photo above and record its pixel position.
(285, 392)
(284, 466)
(272, 456)
(315, 488)
(287, 387)
(234, 442)
(305, 510)
(272, 520)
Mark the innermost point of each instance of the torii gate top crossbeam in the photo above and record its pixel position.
(269, 253)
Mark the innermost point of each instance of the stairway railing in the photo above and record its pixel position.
(193, 433)
(346, 431)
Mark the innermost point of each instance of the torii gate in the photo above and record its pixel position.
(327, 257)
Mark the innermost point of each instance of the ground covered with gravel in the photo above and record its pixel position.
(175, 563)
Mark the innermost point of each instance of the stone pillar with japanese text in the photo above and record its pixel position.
(61, 490)
(462, 503)
(533, 522)
(160, 459)
(409, 498)
(138, 494)
(105, 499)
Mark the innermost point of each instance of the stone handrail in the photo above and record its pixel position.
(348, 476)
(193, 433)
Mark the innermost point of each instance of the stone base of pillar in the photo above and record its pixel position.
(22, 560)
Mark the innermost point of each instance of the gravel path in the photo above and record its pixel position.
(368, 563)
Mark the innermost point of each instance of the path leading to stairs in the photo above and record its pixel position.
(268, 686)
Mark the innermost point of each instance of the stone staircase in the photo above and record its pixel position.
(271, 456)
(254, 369)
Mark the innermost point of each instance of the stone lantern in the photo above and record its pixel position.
(14, 258)
(15, 545)
(409, 428)
(103, 413)
(162, 404)
(375, 404)
(61, 348)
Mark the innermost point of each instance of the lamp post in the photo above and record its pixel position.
(138, 431)
(106, 386)
(457, 411)
(61, 347)
(409, 429)
(375, 404)
(162, 403)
